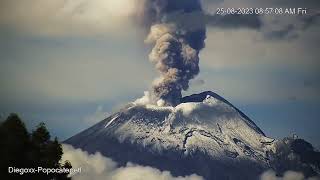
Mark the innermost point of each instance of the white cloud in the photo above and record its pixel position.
(70, 17)
(288, 175)
(145, 99)
(97, 167)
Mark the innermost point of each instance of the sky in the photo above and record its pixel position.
(72, 63)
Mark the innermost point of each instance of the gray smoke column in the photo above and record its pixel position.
(177, 31)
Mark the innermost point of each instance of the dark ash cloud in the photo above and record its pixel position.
(177, 44)
(177, 31)
(234, 21)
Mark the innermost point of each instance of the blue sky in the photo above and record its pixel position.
(70, 64)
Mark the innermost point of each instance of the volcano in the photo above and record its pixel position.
(204, 134)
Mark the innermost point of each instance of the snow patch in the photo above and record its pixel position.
(187, 108)
(114, 118)
(210, 100)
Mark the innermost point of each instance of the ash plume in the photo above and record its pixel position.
(177, 31)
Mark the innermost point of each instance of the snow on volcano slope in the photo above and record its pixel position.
(205, 134)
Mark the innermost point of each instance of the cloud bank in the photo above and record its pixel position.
(177, 44)
(288, 175)
(97, 167)
(67, 17)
